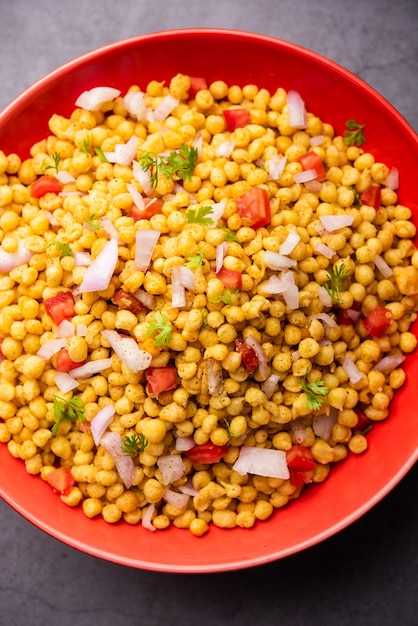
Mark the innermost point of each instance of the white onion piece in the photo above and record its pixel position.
(147, 299)
(291, 294)
(65, 382)
(82, 259)
(262, 462)
(92, 99)
(325, 250)
(10, 260)
(188, 488)
(179, 188)
(81, 330)
(274, 286)
(217, 212)
(143, 177)
(334, 222)
(124, 153)
(198, 143)
(90, 368)
(296, 110)
(184, 443)
(392, 181)
(305, 176)
(187, 277)
(277, 261)
(146, 240)
(128, 351)
(289, 243)
(51, 218)
(324, 296)
(314, 186)
(269, 385)
(351, 370)
(389, 363)
(51, 347)
(298, 430)
(179, 500)
(66, 329)
(101, 421)
(64, 177)
(112, 442)
(382, 266)
(146, 519)
(324, 317)
(110, 229)
(134, 103)
(136, 196)
(69, 194)
(225, 149)
(221, 250)
(178, 292)
(354, 315)
(262, 361)
(317, 140)
(164, 108)
(322, 424)
(100, 271)
(172, 468)
(276, 166)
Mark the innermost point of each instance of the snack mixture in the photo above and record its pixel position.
(205, 302)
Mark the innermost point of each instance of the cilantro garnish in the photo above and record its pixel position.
(64, 248)
(94, 222)
(353, 136)
(337, 278)
(314, 392)
(101, 155)
(134, 444)
(202, 215)
(195, 260)
(86, 146)
(179, 163)
(71, 410)
(162, 327)
(229, 234)
(226, 298)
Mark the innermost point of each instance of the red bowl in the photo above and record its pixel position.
(335, 95)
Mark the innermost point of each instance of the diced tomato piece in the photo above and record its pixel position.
(364, 423)
(206, 453)
(43, 185)
(371, 196)
(127, 301)
(61, 480)
(301, 463)
(196, 84)
(230, 278)
(60, 307)
(350, 316)
(254, 208)
(161, 379)
(236, 118)
(249, 355)
(152, 207)
(311, 161)
(64, 363)
(377, 321)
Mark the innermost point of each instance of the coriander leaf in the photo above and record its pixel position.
(231, 434)
(200, 215)
(182, 162)
(134, 444)
(64, 248)
(162, 327)
(226, 298)
(94, 222)
(195, 260)
(229, 234)
(71, 410)
(101, 155)
(204, 318)
(314, 392)
(353, 136)
(86, 146)
(337, 278)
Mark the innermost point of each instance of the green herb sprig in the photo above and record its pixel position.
(353, 136)
(336, 284)
(229, 234)
(195, 260)
(226, 297)
(134, 444)
(64, 248)
(178, 163)
(202, 215)
(314, 392)
(160, 328)
(94, 222)
(71, 410)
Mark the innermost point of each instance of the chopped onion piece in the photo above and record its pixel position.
(184, 443)
(165, 107)
(51, 218)
(178, 292)
(10, 260)
(188, 488)
(187, 277)
(324, 317)
(146, 240)
(277, 261)
(179, 500)
(225, 149)
(314, 186)
(291, 294)
(217, 212)
(382, 266)
(389, 363)
(305, 176)
(392, 181)
(101, 421)
(198, 143)
(172, 468)
(296, 110)
(66, 329)
(100, 271)
(124, 153)
(298, 430)
(334, 222)
(81, 330)
(269, 385)
(51, 347)
(112, 442)
(289, 243)
(262, 462)
(276, 166)
(64, 177)
(90, 368)
(317, 140)
(262, 361)
(65, 382)
(351, 370)
(325, 250)
(322, 424)
(324, 296)
(221, 250)
(135, 105)
(147, 299)
(136, 196)
(93, 99)
(353, 314)
(274, 286)
(146, 519)
(109, 228)
(128, 351)
(143, 177)
(82, 259)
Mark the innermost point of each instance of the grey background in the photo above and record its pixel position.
(368, 573)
